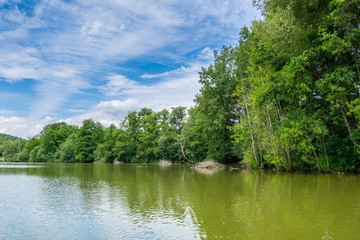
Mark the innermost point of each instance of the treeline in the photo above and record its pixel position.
(142, 136)
(286, 96)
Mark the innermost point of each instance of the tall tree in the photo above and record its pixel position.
(149, 131)
(88, 137)
(215, 106)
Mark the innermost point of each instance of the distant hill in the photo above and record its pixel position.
(4, 137)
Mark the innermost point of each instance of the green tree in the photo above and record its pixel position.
(192, 138)
(215, 109)
(88, 137)
(149, 131)
(31, 143)
(127, 140)
(52, 136)
(170, 145)
(9, 150)
(67, 150)
(106, 152)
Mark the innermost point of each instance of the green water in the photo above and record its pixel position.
(99, 201)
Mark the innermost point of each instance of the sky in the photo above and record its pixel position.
(71, 60)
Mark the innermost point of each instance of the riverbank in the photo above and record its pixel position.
(217, 165)
(244, 166)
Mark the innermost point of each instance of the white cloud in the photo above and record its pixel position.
(115, 106)
(105, 112)
(180, 70)
(204, 58)
(117, 84)
(4, 112)
(206, 54)
(23, 127)
(15, 15)
(179, 91)
(55, 82)
(13, 34)
(18, 63)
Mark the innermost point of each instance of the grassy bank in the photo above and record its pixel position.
(1, 159)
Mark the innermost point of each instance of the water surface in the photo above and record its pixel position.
(105, 201)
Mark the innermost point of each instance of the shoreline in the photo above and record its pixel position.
(231, 167)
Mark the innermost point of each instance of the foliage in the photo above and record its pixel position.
(299, 103)
(89, 135)
(67, 150)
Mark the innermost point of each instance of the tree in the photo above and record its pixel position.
(9, 150)
(170, 145)
(88, 137)
(24, 155)
(149, 131)
(215, 113)
(106, 151)
(52, 136)
(127, 139)
(67, 150)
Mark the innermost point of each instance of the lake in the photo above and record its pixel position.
(106, 201)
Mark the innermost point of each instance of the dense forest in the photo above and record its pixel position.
(286, 96)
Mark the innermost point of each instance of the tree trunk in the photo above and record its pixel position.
(182, 150)
(251, 133)
(272, 131)
(326, 155)
(347, 125)
(317, 159)
(289, 159)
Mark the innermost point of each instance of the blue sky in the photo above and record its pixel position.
(69, 60)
